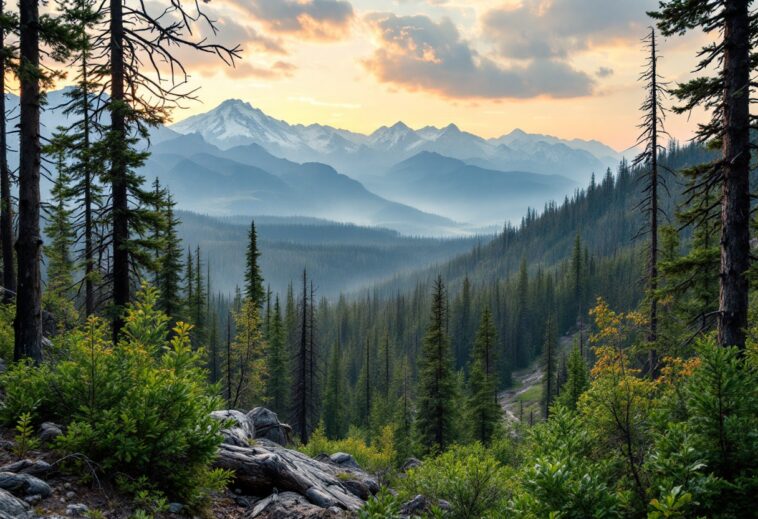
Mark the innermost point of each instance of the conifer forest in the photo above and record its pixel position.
(216, 313)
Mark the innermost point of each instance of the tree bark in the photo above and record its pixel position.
(118, 152)
(735, 202)
(653, 273)
(28, 322)
(6, 203)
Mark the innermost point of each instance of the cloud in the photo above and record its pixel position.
(313, 19)
(557, 28)
(277, 70)
(604, 72)
(418, 53)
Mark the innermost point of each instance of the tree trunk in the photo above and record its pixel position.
(28, 322)
(118, 169)
(89, 255)
(653, 332)
(6, 203)
(735, 202)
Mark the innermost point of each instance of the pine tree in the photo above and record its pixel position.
(246, 360)
(728, 95)
(253, 277)
(578, 379)
(523, 341)
(60, 267)
(86, 164)
(170, 266)
(404, 415)
(335, 411)
(485, 412)
(437, 383)
(199, 303)
(303, 390)
(549, 366)
(278, 365)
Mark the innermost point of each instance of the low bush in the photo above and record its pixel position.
(377, 457)
(138, 409)
(468, 477)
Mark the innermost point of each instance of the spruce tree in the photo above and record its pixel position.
(578, 379)
(549, 366)
(278, 383)
(437, 382)
(58, 296)
(253, 277)
(335, 409)
(485, 412)
(246, 361)
(170, 266)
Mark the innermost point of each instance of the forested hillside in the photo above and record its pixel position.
(341, 257)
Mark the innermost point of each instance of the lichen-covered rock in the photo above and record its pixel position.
(241, 432)
(287, 505)
(24, 484)
(267, 425)
(77, 510)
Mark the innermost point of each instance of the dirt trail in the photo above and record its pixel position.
(524, 380)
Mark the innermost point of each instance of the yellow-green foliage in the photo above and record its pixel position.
(468, 477)
(7, 312)
(25, 438)
(377, 457)
(138, 408)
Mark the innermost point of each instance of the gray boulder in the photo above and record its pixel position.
(287, 505)
(49, 431)
(267, 425)
(77, 510)
(344, 459)
(240, 432)
(24, 485)
(26, 466)
(12, 507)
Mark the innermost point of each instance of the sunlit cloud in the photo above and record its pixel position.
(311, 19)
(418, 53)
(317, 102)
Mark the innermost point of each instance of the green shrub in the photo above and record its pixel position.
(468, 477)
(7, 341)
(140, 408)
(373, 458)
(382, 506)
(26, 440)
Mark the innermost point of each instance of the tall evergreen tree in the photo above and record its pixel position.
(728, 95)
(549, 366)
(278, 366)
(170, 266)
(247, 358)
(335, 412)
(253, 277)
(58, 295)
(485, 412)
(302, 398)
(578, 379)
(437, 383)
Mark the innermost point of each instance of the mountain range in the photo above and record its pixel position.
(236, 122)
(235, 159)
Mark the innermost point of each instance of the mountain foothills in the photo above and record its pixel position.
(300, 351)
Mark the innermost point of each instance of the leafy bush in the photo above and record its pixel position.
(382, 506)
(373, 458)
(140, 408)
(560, 479)
(468, 477)
(7, 313)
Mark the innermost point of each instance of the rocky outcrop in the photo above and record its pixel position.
(268, 426)
(263, 467)
(290, 504)
(12, 507)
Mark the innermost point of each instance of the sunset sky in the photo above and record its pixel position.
(563, 67)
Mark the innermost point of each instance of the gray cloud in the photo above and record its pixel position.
(420, 54)
(604, 72)
(555, 29)
(317, 19)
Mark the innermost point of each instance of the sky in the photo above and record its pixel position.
(567, 68)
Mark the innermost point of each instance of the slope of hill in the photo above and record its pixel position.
(339, 257)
